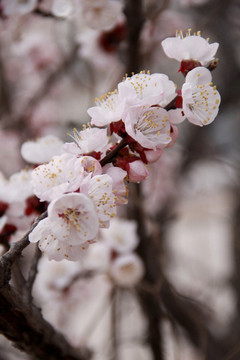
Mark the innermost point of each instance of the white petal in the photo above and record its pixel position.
(100, 192)
(198, 76)
(58, 250)
(174, 48)
(41, 150)
(39, 231)
(119, 240)
(176, 116)
(119, 187)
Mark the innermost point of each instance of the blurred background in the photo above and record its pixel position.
(54, 61)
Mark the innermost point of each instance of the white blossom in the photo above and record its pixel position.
(122, 235)
(42, 150)
(119, 187)
(147, 89)
(54, 276)
(190, 47)
(62, 8)
(139, 89)
(200, 99)
(87, 140)
(63, 174)
(72, 221)
(149, 126)
(101, 14)
(100, 191)
(109, 108)
(127, 270)
(18, 188)
(91, 166)
(98, 257)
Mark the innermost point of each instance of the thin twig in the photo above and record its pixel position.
(86, 274)
(43, 91)
(109, 157)
(46, 14)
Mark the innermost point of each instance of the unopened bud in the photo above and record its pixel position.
(213, 64)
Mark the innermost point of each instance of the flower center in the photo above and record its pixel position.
(72, 217)
(141, 82)
(108, 101)
(150, 122)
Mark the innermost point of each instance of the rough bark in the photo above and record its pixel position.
(30, 333)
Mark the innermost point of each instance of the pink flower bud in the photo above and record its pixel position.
(174, 136)
(137, 171)
(153, 155)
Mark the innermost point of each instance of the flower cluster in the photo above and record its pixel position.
(82, 183)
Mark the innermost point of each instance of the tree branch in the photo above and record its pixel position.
(135, 20)
(32, 274)
(30, 333)
(109, 157)
(16, 249)
(46, 14)
(21, 321)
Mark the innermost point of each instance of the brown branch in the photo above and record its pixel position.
(135, 20)
(5, 92)
(186, 313)
(86, 274)
(110, 156)
(171, 104)
(148, 302)
(151, 309)
(30, 333)
(16, 249)
(32, 274)
(150, 255)
(154, 10)
(17, 277)
(21, 321)
(46, 14)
